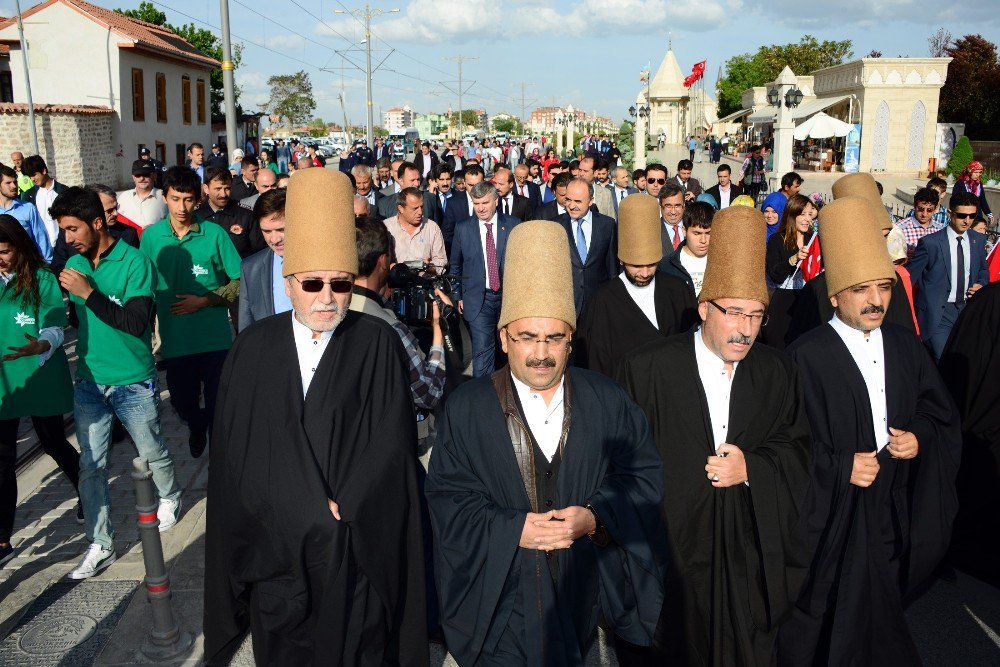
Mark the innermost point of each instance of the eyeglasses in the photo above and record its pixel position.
(109, 211)
(657, 181)
(740, 316)
(337, 285)
(963, 216)
(556, 342)
(674, 207)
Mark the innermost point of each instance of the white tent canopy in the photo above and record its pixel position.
(821, 126)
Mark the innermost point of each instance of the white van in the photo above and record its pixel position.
(407, 136)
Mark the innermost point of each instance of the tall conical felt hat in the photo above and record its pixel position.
(854, 251)
(639, 230)
(735, 268)
(863, 185)
(319, 223)
(538, 274)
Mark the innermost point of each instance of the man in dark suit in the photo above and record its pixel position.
(262, 287)
(425, 161)
(477, 254)
(245, 184)
(460, 205)
(442, 190)
(364, 187)
(509, 202)
(690, 186)
(593, 242)
(947, 268)
(380, 150)
(407, 176)
(217, 206)
(620, 188)
(526, 188)
(725, 191)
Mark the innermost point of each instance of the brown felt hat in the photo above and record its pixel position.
(735, 268)
(639, 230)
(863, 185)
(854, 251)
(319, 223)
(537, 274)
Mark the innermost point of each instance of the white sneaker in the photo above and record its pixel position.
(96, 559)
(168, 513)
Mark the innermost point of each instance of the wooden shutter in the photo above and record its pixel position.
(186, 98)
(161, 97)
(138, 96)
(200, 88)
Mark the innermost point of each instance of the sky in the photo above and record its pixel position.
(586, 53)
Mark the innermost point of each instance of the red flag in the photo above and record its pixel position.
(812, 265)
(125, 221)
(699, 68)
(697, 72)
(993, 262)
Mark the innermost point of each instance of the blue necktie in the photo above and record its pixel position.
(444, 203)
(581, 241)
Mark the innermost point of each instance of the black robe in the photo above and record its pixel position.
(314, 590)
(970, 366)
(871, 546)
(811, 308)
(612, 324)
(478, 504)
(737, 555)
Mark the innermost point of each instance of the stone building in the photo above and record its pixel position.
(398, 118)
(156, 85)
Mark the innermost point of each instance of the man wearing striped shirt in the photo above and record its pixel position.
(922, 222)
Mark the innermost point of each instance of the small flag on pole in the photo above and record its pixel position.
(644, 74)
(812, 265)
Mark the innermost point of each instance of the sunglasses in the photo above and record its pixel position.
(313, 285)
(657, 181)
(963, 216)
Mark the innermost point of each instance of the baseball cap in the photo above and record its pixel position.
(144, 151)
(142, 168)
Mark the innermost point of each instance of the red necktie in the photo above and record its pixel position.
(492, 269)
(677, 237)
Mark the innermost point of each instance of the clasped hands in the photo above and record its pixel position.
(556, 529)
(728, 467)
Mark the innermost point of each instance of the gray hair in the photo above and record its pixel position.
(361, 170)
(480, 190)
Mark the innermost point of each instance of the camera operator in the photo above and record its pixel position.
(427, 373)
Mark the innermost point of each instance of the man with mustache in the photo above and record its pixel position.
(544, 487)
(313, 535)
(886, 446)
(643, 304)
(728, 420)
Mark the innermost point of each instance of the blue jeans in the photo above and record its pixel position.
(138, 408)
(483, 335)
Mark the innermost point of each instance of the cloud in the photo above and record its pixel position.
(864, 13)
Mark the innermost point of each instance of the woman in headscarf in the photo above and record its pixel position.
(970, 182)
(785, 251)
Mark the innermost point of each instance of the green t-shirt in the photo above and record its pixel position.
(110, 356)
(27, 389)
(201, 262)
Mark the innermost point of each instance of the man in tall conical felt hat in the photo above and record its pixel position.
(641, 304)
(313, 539)
(813, 308)
(728, 421)
(544, 487)
(887, 444)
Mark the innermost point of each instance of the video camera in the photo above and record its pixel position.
(413, 292)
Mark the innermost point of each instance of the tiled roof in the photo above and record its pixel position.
(20, 107)
(147, 36)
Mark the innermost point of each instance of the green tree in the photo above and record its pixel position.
(756, 69)
(200, 38)
(509, 125)
(960, 158)
(292, 97)
(969, 93)
(470, 119)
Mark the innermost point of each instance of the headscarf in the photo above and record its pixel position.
(973, 187)
(777, 201)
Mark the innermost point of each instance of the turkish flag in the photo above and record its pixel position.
(812, 265)
(125, 221)
(699, 68)
(993, 262)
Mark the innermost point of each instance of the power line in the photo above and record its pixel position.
(460, 59)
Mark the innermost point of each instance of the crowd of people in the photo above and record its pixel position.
(725, 431)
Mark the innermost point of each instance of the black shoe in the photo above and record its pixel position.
(6, 553)
(79, 513)
(197, 443)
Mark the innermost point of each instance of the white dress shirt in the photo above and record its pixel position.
(724, 196)
(869, 355)
(309, 350)
(545, 421)
(143, 211)
(953, 252)
(718, 385)
(44, 198)
(496, 244)
(644, 297)
(509, 199)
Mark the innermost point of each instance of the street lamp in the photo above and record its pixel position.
(793, 98)
(772, 96)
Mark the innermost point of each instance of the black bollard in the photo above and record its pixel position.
(165, 640)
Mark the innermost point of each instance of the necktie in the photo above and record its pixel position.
(621, 195)
(444, 203)
(492, 270)
(960, 279)
(520, 190)
(581, 241)
(677, 237)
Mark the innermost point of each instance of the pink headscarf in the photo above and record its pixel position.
(966, 178)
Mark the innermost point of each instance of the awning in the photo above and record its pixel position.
(815, 106)
(733, 116)
(762, 116)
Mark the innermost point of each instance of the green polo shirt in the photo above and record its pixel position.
(110, 356)
(201, 262)
(25, 387)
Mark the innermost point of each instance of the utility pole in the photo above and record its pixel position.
(365, 16)
(228, 88)
(461, 59)
(27, 80)
(525, 103)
